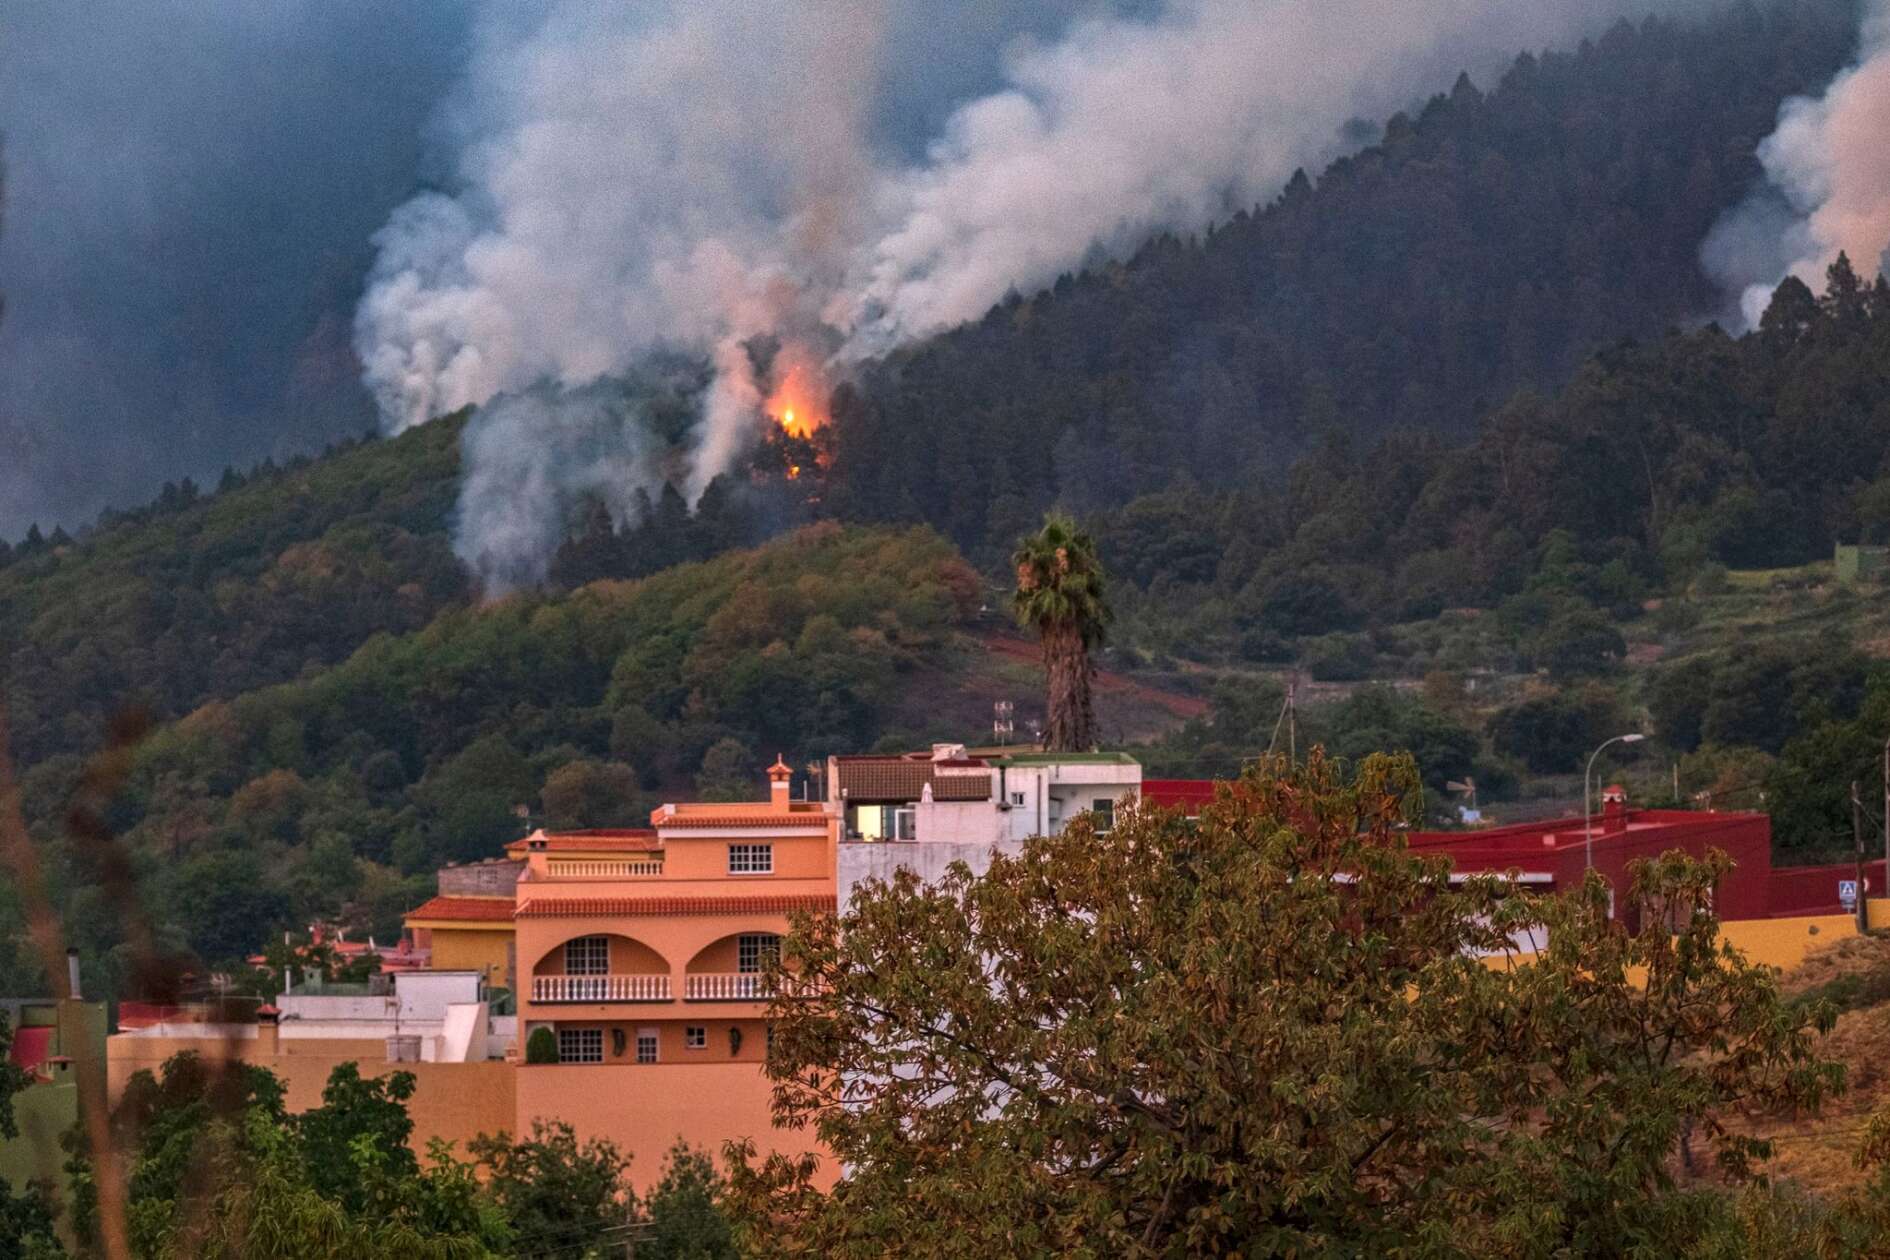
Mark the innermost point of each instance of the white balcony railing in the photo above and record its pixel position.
(600, 988)
(605, 869)
(727, 986)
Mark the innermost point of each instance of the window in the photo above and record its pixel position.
(1105, 811)
(580, 1045)
(1017, 798)
(695, 1037)
(905, 824)
(646, 1045)
(752, 947)
(751, 859)
(587, 956)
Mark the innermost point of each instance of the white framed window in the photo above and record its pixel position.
(1017, 798)
(751, 859)
(580, 1045)
(695, 1037)
(751, 948)
(646, 1045)
(587, 956)
(1105, 811)
(905, 824)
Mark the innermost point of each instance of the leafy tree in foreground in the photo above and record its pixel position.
(559, 1194)
(26, 1217)
(684, 1212)
(217, 1168)
(1060, 594)
(1267, 1033)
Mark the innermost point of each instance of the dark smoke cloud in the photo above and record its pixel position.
(191, 191)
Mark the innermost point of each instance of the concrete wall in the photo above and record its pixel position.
(859, 862)
(454, 1101)
(645, 1108)
(480, 879)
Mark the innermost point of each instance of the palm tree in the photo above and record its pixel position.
(1060, 592)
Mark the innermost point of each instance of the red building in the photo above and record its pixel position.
(1553, 855)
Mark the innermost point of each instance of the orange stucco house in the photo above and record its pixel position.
(641, 952)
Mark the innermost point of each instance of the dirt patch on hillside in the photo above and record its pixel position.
(1108, 683)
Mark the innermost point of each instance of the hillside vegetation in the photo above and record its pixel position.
(1358, 434)
(1487, 243)
(338, 793)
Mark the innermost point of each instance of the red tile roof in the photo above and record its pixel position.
(612, 840)
(900, 780)
(602, 907)
(740, 816)
(465, 909)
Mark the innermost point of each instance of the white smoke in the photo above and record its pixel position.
(528, 457)
(1127, 127)
(631, 178)
(1827, 189)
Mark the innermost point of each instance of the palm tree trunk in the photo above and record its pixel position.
(1071, 723)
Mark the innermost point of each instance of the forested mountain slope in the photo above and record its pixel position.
(343, 790)
(204, 595)
(1483, 243)
(1487, 243)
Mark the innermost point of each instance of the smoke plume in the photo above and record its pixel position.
(692, 177)
(1827, 186)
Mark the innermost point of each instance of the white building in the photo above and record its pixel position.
(924, 811)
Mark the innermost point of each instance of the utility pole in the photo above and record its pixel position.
(1886, 812)
(1292, 721)
(1857, 833)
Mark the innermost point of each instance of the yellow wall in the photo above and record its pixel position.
(458, 948)
(454, 1101)
(1783, 943)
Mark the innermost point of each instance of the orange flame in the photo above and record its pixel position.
(799, 401)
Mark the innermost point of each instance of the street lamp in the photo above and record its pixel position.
(1588, 816)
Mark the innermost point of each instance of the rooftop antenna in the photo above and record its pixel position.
(1003, 722)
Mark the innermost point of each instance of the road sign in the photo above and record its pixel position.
(1847, 893)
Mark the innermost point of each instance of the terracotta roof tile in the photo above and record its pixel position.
(896, 779)
(614, 840)
(799, 814)
(465, 909)
(602, 907)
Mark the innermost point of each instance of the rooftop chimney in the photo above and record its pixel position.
(72, 974)
(1613, 810)
(780, 780)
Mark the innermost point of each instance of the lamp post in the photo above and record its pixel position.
(1588, 815)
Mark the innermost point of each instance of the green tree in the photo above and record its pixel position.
(1061, 594)
(1579, 643)
(560, 1194)
(357, 1109)
(1265, 1032)
(728, 772)
(26, 1212)
(684, 1214)
(586, 793)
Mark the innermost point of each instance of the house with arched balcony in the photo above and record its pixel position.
(640, 956)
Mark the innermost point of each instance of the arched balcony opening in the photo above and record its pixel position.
(600, 967)
(732, 969)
